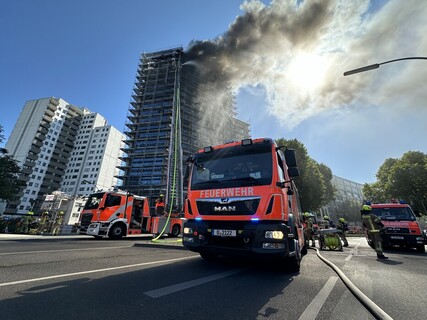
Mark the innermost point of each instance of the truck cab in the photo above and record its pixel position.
(242, 201)
(401, 225)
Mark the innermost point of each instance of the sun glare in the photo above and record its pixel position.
(307, 71)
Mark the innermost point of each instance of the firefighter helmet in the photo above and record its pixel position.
(365, 207)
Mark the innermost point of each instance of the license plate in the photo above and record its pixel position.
(224, 233)
(397, 237)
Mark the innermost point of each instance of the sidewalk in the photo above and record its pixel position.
(18, 236)
(139, 240)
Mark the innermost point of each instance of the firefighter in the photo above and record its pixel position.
(329, 223)
(27, 221)
(309, 230)
(160, 206)
(373, 227)
(58, 222)
(42, 223)
(343, 226)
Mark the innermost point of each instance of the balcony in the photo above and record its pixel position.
(27, 171)
(42, 130)
(29, 163)
(34, 149)
(37, 143)
(47, 118)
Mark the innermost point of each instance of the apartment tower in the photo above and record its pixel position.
(61, 147)
(168, 121)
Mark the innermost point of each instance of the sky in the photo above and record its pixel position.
(284, 60)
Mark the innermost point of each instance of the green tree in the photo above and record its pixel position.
(10, 186)
(349, 210)
(404, 178)
(314, 183)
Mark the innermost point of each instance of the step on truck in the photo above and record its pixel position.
(401, 225)
(118, 214)
(242, 200)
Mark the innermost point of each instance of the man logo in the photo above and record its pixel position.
(225, 208)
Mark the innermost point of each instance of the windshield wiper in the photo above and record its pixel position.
(208, 182)
(252, 179)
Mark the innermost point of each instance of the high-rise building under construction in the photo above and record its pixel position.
(173, 114)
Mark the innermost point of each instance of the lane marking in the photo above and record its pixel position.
(97, 271)
(310, 313)
(62, 250)
(354, 251)
(157, 293)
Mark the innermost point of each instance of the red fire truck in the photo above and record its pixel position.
(117, 214)
(401, 226)
(242, 200)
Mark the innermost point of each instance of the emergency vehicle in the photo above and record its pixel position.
(401, 225)
(117, 214)
(242, 201)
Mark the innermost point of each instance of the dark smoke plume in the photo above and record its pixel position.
(297, 51)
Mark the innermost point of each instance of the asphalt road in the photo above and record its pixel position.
(83, 278)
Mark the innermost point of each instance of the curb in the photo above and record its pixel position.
(170, 245)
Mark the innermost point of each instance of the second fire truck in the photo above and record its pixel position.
(117, 214)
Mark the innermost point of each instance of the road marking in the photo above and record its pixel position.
(157, 293)
(63, 250)
(354, 251)
(314, 307)
(98, 270)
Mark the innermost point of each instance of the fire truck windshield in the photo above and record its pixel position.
(94, 201)
(232, 167)
(401, 213)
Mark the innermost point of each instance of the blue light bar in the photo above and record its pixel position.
(255, 219)
(199, 219)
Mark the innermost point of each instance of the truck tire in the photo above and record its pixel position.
(304, 249)
(176, 230)
(293, 264)
(116, 231)
(421, 248)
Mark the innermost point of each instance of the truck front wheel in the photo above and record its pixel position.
(421, 248)
(294, 263)
(116, 232)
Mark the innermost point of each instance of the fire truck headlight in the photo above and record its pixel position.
(278, 235)
(188, 230)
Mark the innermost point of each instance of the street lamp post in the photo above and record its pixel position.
(377, 65)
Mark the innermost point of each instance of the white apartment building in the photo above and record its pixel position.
(54, 141)
(95, 157)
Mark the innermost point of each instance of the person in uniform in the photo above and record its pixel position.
(42, 223)
(309, 229)
(160, 206)
(343, 226)
(58, 222)
(329, 223)
(373, 227)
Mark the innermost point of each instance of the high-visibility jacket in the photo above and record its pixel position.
(372, 223)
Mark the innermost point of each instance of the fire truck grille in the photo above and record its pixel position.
(86, 219)
(228, 207)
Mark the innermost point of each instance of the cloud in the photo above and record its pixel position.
(298, 51)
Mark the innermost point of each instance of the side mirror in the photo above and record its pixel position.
(290, 157)
(293, 172)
